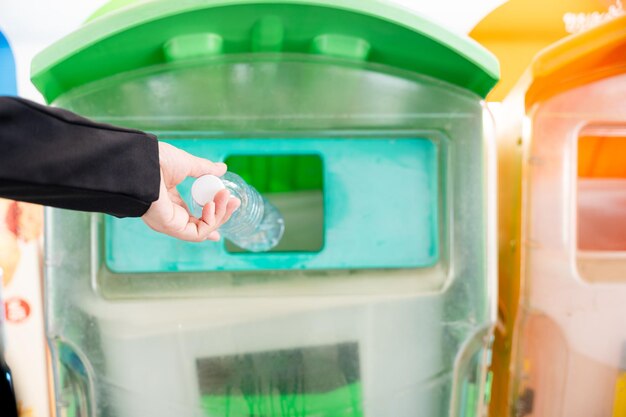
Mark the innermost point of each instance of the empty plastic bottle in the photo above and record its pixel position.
(256, 226)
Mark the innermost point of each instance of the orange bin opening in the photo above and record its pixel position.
(602, 193)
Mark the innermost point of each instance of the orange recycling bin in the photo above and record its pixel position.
(569, 345)
(510, 148)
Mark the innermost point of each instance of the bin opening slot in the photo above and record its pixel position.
(370, 203)
(602, 193)
(306, 381)
(601, 204)
(295, 185)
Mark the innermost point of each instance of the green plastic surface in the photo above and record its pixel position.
(488, 386)
(343, 402)
(192, 46)
(127, 35)
(279, 173)
(312, 381)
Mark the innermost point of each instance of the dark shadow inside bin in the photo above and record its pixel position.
(295, 185)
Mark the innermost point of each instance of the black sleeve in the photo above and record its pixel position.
(53, 157)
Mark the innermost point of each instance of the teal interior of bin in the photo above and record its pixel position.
(8, 85)
(379, 198)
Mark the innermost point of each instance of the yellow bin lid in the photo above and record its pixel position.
(578, 59)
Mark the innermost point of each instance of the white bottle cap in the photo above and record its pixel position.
(204, 189)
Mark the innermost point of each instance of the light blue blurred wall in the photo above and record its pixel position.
(7, 68)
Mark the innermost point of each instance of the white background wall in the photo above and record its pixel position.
(31, 25)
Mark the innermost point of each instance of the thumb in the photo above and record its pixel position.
(180, 164)
(200, 166)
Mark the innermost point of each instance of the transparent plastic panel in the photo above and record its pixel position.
(281, 93)
(367, 340)
(570, 335)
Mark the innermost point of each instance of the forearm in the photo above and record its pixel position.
(56, 158)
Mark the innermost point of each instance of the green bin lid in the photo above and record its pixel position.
(129, 34)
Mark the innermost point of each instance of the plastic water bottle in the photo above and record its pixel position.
(256, 226)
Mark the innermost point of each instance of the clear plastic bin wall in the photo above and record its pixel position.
(570, 358)
(387, 312)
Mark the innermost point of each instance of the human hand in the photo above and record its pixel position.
(170, 215)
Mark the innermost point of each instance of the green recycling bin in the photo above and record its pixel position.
(363, 124)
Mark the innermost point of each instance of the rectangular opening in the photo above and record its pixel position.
(307, 381)
(294, 184)
(350, 203)
(601, 204)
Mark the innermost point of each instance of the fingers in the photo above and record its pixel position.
(195, 230)
(232, 205)
(214, 215)
(174, 220)
(218, 212)
(170, 215)
(221, 200)
(208, 214)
